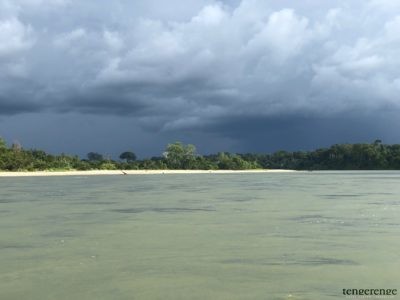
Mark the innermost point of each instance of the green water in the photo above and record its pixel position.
(250, 236)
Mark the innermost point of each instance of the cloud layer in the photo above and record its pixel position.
(199, 64)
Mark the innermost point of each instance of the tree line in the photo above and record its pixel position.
(374, 156)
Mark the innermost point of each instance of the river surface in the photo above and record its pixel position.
(209, 236)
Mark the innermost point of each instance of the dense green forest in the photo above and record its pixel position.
(375, 156)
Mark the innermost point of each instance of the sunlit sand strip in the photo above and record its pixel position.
(133, 172)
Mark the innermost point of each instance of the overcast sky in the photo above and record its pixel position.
(237, 75)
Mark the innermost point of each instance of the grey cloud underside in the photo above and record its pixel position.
(202, 65)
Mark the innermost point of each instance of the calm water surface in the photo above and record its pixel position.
(249, 236)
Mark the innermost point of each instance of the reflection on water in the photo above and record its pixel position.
(161, 210)
(287, 261)
(248, 236)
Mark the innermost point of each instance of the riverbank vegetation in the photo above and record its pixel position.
(374, 156)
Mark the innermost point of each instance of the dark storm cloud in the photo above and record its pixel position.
(106, 103)
(12, 107)
(237, 68)
(297, 132)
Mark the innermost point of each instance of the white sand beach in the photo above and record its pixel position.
(134, 172)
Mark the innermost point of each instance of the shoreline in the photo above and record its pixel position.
(135, 172)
